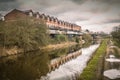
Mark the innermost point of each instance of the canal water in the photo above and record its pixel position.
(33, 65)
(72, 69)
(28, 66)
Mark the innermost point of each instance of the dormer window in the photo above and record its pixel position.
(48, 19)
(30, 14)
(56, 20)
(43, 16)
(37, 16)
(2, 18)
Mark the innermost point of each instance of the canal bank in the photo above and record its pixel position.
(58, 46)
(94, 69)
(15, 50)
(105, 64)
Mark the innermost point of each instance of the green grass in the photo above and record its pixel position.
(89, 72)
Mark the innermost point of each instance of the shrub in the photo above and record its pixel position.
(61, 38)
(26, 34)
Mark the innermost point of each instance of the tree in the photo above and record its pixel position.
(61, 38)
(116, 35)
(77, 40)
(87, 38)
(27, 34)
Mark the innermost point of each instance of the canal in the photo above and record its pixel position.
(33, 65)
(73, 68)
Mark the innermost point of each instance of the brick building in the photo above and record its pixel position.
(52, 22)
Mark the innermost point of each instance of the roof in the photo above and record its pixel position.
(14, 10)
(27, 11)
(36, 13)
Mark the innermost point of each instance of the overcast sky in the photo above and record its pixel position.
(95, 15)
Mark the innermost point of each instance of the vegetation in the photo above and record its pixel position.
(58, 53)
(88, 39)
(26, 34)
(89, 72)
(116, 35)
(77, 40)
(116, 52)
(59, 38)
(104, 35)
(64, 38)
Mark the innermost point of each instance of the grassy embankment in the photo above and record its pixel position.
(58, 46)
(90, 72)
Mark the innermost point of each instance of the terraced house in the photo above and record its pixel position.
(55, 25)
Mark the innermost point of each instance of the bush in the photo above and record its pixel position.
(88, 39)
(116, 35)
(77, 40)
(27, 34)
(61, 38)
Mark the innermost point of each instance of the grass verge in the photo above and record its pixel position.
(89, 72)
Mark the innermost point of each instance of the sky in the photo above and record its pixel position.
(94, 15)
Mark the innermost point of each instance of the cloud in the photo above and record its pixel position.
(6, 5)
(88, 13)
(7, 1)
(113, 21)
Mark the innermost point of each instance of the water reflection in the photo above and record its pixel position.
(27, 66)
(32, 65)
(64, 51)
(72, 69)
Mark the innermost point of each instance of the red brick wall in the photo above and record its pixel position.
(14, 15)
